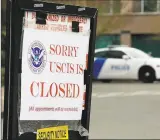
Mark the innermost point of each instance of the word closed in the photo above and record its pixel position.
(63, 90)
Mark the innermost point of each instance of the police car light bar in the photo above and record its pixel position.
(115, 46)
(112, 46)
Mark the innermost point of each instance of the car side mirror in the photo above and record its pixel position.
(126, 57)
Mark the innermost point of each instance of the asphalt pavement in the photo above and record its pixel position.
(125, 111)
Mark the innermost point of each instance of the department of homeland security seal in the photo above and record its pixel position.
(37, 57)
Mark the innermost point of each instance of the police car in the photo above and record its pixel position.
(127, 63)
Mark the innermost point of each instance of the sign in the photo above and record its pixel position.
(52, 83)
(59, 23)
(53, 133)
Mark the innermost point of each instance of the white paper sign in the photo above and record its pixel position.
(52, 79)
(57, 23)
(60, 23)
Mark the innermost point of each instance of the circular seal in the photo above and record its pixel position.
(37, 57)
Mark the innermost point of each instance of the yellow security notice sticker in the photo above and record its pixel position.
(53, 133)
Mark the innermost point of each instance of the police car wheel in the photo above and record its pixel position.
(106, 81)
(147, 76)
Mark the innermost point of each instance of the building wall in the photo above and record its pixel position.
(136, 24)
(125, 22)
(126, 6)
(113, 18)
(133, 24)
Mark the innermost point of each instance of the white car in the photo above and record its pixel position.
(123, 62)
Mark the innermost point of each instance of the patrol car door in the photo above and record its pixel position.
(116, 66)
(99, 71)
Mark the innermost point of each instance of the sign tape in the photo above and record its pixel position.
(53, 133)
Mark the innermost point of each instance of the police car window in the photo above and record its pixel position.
(115, 54)
(101, 54)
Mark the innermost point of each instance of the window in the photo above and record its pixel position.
(102, 5)
(158, 6)
(150, 5)
(110, 54)
(136, 6)
(108, 6)
(116, 6)
(101, 54)
(125, 6)
(146, 6)
(115, 54)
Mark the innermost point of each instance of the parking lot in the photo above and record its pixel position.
(125, 110)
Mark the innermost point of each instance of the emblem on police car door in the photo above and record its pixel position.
(37, 57)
